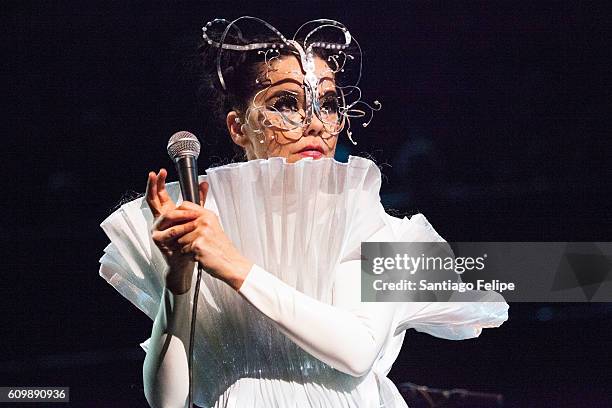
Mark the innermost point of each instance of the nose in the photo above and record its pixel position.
(315, 127)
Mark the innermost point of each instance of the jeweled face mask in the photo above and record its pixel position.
(290, 111)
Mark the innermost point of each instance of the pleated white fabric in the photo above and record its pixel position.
(298, 222)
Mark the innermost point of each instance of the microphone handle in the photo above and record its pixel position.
(187, 169)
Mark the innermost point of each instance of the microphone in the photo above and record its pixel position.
(184, 149)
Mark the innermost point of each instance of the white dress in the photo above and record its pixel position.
(296, 334)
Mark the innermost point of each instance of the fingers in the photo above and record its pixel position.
(188, 238)
(206, 236)
(188, 205)
(156, 195)
(190, 242)
(162, 194)
(151, 195)
(206, 218)
(169, 236)
(177, 216)
(203, 192)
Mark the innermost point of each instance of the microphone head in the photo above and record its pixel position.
(183, 144)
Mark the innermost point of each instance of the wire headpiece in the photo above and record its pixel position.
(334, 109)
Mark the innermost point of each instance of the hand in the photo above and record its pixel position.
(191, 233)
(205, 240)
(165, 232)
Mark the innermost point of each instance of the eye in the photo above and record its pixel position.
(329, 104)
(286, 103)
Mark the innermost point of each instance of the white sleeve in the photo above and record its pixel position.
(165, 371)
(448, 320)
(347, 335)
(454, 320)
(133, 265)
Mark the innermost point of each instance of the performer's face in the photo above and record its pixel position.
(291, 123)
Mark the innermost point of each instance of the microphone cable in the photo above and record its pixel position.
(194, 311)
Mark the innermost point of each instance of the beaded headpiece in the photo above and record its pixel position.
(293, 111)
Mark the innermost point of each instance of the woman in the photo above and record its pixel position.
(280, 318)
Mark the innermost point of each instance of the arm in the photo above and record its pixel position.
(165, 370)
(347, 335)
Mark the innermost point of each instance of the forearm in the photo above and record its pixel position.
(347, 338)
(165, 369)
(178, 281)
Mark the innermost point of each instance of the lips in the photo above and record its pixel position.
(313, 151)
(312, 148)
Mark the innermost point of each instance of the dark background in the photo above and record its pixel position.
(494, 125)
